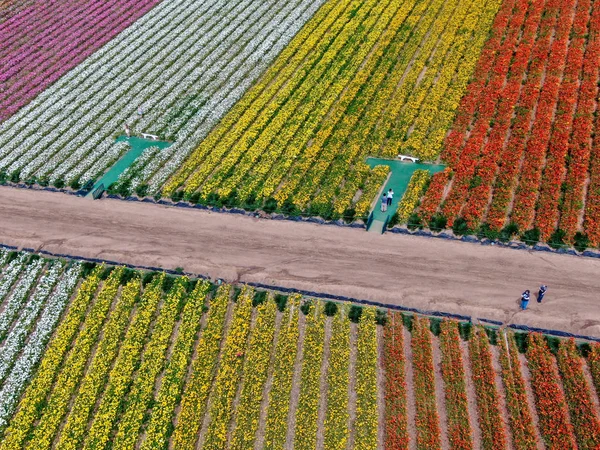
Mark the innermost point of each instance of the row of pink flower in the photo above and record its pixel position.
(65, 33)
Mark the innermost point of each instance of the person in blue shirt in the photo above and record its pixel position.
(525, 299)
(541, 293)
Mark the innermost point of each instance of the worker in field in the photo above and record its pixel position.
(541, 293)
(525, 299)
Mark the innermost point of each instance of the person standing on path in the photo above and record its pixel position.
(541, 293)
(390, 196)
(127, 130)
(384, 202)
(140, 111)
(525, 299)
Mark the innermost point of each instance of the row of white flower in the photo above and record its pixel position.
(219, 104)
(10, 274)
(87, 103)
(17, 336)
(213, 52)
(23, 368)
(18, 296)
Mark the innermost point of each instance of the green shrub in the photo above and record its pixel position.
(553, 344)
(75, 184)
(509, 231)
(522, 341)
(438, 222)
(460, 227)
(435, 325)
(106, 272)
(305, 307)
(584, 349)
(270, 205)
(355, 313)
(259, 298)
(381, 317)
(179, 270)
(86, 268)
(349, 215)
(331, 309)
(393, 220)
(15, 177)
(581, 241)
(414, 222)
(465, 329)
(281, 301)
(128, 275)
(168, 283)
(177, 196)
(142, 190)
(557, 239)
(148, 277)
(531, 237)
(407, 319)
(492, 335)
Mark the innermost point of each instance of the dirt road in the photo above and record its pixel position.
(425, 273)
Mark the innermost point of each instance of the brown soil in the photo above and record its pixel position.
(430, 274)
(410, 395)
(471, 395)
(531, 400)
(323, 385)
(502, 395)
(439, 392)
(352, 385)
(264, 405)
(295, 395)
(380, 390)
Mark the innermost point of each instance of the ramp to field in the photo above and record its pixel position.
(400, 174)
(137, 147)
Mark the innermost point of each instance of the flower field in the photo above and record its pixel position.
(99, 357)
(523, 146)
(185, 63)
(362, 78)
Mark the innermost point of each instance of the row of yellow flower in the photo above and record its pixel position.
(120, 376)
(441, 101)
(95, 379)
(35, 395)
(193, 402)
(142, 388)
(283, 373)
(226, 382)
(243, 114)
(419, 49)
(310, 158)
(74, 365)
(256, 370)
(305, 436)
(304, 107)
(367, 417)
(172, 382)
(338, 380)
(414, 191)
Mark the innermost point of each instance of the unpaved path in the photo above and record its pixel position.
(431, 274)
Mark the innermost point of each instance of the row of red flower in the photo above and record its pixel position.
(546, 218)
(396, 415)
(487, 165)
(486, 109)
(510, 161)
(583, 125)
(577, 392)
(426, 418)
(517, 403)
(554, 423)
(453, 374)
(493, 435)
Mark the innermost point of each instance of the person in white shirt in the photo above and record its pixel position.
(390, 196)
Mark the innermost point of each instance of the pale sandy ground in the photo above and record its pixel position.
(430, 274)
